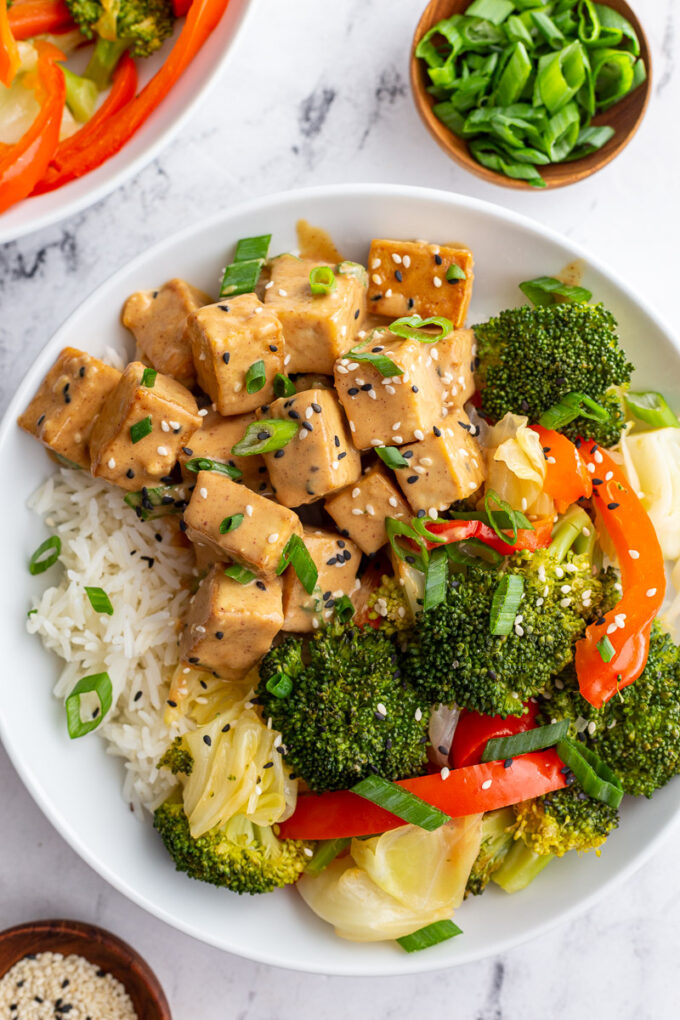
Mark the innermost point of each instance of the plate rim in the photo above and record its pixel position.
(330, 192)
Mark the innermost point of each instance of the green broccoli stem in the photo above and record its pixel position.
(81, 95)
(567, 531)
(520, 867)
(104, 61)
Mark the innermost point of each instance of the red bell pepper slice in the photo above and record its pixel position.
(459, 531)
(63, 165)
(9, 51)
(643, 581)
(566, 476)
(474, 731)
(180, 7)
(29, 18)
(467, 791)
(22, 165)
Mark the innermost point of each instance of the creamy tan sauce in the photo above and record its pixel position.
(316, 243)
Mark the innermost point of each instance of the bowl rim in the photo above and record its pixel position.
(467, 162)
(257, 205)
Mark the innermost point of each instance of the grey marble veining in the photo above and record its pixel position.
(317, 94)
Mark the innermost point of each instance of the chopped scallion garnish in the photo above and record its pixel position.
(546, 290)
(280, 685)
(157, 502)
(326, 852)
(415, 328)
(537, 739)
(594, 777)
(381, 363)
(231, 523)
(322, 280)
(283, 386)
(400, 529)
(606, 649)
(97, 683)
(141, 429)
(515, 517)
(436, 578)
(197, 464)
(240, 574)
(256, 377)
(45, 556)
(265, 436)
(296, 555)
(652, 409)
(149, 377)
(401, 802)
(99, 600)
(391, 456)
(505, 603)
(252, 248)
(430, 935)
(344, 608)
(241, 275)
(454, 272)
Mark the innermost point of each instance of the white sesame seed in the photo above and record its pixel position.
(524, 504)
(486, 784)
(199, 629)
(565, 589)
(268, 285)
(419, 470)
(381, 708)
(393, 501)
(343, 331)
(376, 278)
(388, 292)
(585, 532)
(396, 426)
(203, 492)
(406, 261)
(341, 369)
(608, 477)
(651, 592)
(249, 510)
(309, 412)
(397, 439)
(174, 425)
(565, 602)
(355, 492)
(433, 513)
(445, 773)
(598, 457)
(302, 434)
(111, 463)
(274, 537)
(375, 264)
(396, 258)
(259, 310)
(559, 572)
(391, 390)
(164, 426)
(202, 413)
(370, 510)
(286, 360)
(634, 554)
(436, 281)
(282, 292)
(238, 387)
(612, 628)
(357, 512)
(591, 467)
(377, 442)
(418, 434)
(551, 460)
(162, 451)
(418, 715)
(372, 394)
(352, 427)
(591, 727)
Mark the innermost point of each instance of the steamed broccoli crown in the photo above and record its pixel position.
(532, 357)
(497, 838)
(243, 857)
(349, 713)
(564, 820)
(143, 24)
(177, 758)
(454, 657)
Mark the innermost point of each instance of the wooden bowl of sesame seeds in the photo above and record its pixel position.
(92, 966)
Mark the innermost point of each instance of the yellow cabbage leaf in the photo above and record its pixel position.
(516, 465)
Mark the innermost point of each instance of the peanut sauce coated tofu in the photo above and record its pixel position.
(389, 411)
(141, 429)
(454, 367)
(409, 278)
(445, 466)
(360, 509)
(157, 318)
(320, 458)
(317, 327)
(337, 560)
(258, 540)
(230, 625)
(226, 340)
(62, 412)
(215, 440)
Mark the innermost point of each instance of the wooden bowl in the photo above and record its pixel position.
(98, 946)
(625, 117)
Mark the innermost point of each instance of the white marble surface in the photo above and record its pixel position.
(317, 94)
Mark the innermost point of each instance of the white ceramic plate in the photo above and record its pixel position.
(79, 787)
(43, 210)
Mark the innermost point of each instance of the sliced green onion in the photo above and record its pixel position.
(594, 777)
(394, 529)
(31, 612)
(197, 464)
(381, 363)
(283, 386)
(97, 683)
(241, 278)
(524, 743)
(476, 548)
(562, 133)
(414, 328)
(322, 280)
(240, 574)
(256, 377)
(65, 462)
(454, 272)
(516, 518)
(231, 523)
(571, 406)
(614, 28)
(435, 579)
(296, 555)
(652, 409)
(149, 377)
(516, 74)
(81, 95)
(249, 248)
(280, 685)
(391, 456)
(505, 603)
(265, 436)
(326, 852)
(494, 11)
(588, 22)
(141, 429)
(420, 526)
(430, 935)
(347, 268)
(344, 608)
(544, 290)
(160, 501)
(99, 600)
(39, 562)
(548, 29)
(606, 649)
(401, 802)
(503, 521)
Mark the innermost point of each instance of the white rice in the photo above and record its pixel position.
(103, 543)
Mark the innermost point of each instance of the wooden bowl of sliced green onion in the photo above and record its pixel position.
(529, 94)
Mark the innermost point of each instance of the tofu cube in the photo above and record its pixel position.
(454, 367)
(409, 278)
(320, 458)
(164, 415)
(360, 510)
(215, 440)
(337, 560)
(260, 538)
(318, 327)
(445, 466)
(389, 411)
(230, 626)
(62, 412)
(157, 319)
(226, 339)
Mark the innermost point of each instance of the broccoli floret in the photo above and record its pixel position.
(452, 654)
(497, 838)
(348, 713)
(177, 758)
(530, 358)
(637, 733)
(388, 606)
(138, 25)
(564, 820)
(241, 856)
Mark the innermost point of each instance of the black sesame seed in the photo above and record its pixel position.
(436, 431)
(357, 313)
(130, 473)
(408, 454)
(399, 276)
(183, 525)
(193, 659)
(367, 386)
(172, 704)
(268, 765)
(353, 390)
(598, 481)
(379, 716)
(273, 348)
(261, 585)
(613, 506)
(507, 763)
(332, 561)
(41, 419)
(158, 536)
(410, 303)
(225, 308)
(343, 454)
(225, 729)
(524, 405)
(414, 389)
(149, 559)
(465, 426)
(187, 450)
(421, 513)
(203, 685)
(225, 357)
(167, 479)
(347, 556)
(81, 371)
(136, 698)
(411, 479)
(262, 486)
(279, 454)
(207, 739)
(293, 414)
(263, 434)
(376, 297)
(410, 559)
(438, 259)
(340, 544)
(316, 408)
(442, 749)
(306, 425)
(491, 675)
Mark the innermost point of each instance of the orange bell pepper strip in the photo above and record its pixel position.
(527, 539)
(467, 791)
(9, 51)
(566, 476)
(474, 730)
(643, 580)
(28, 18)
(64, 163)
(23, 164)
